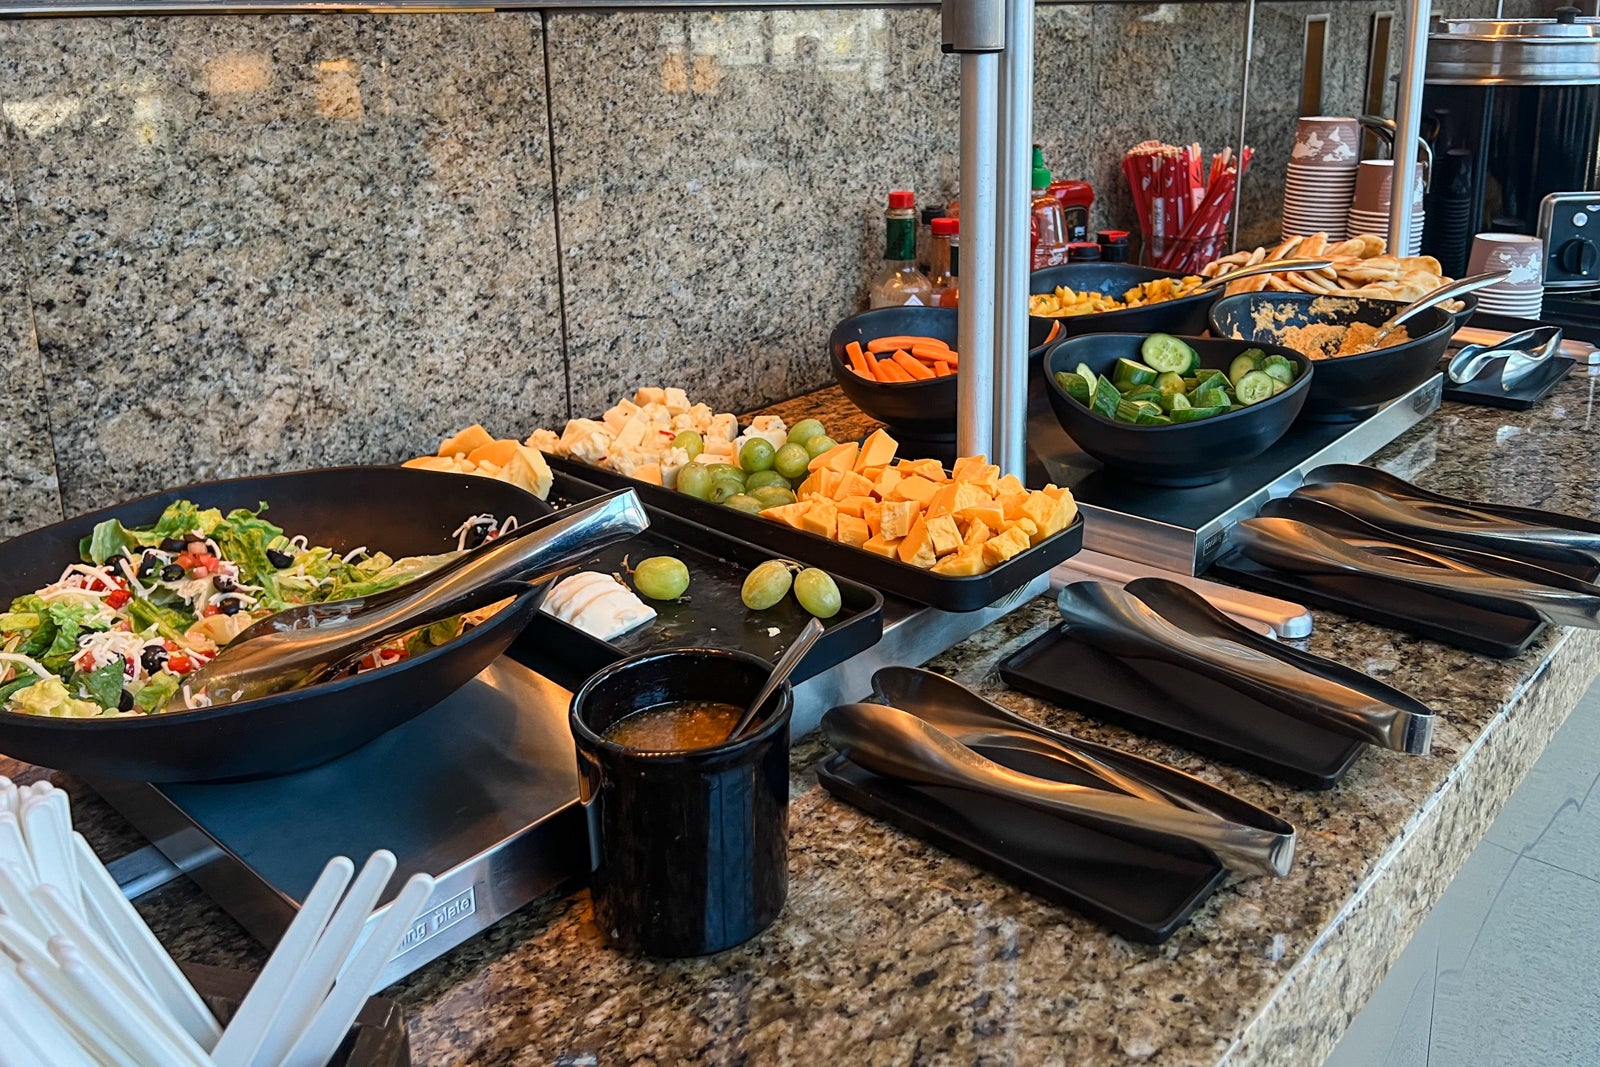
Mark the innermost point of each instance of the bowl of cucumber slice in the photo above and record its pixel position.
(1173, 410)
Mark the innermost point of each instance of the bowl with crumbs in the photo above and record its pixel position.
(1118, 298)
(1357, 371)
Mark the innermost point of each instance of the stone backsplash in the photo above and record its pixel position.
(232, 244)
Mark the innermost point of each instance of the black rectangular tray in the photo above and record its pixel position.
(1528, 392)
(889, 575)
(1142, 893)
(1387, 604)
(711, 614)
(1166, 701)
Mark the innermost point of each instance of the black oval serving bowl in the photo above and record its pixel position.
(925, 409)
(1185, 316)
(1182, 454)
(1349, 387)
(399, 511)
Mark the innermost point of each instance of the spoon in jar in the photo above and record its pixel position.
(781, 670)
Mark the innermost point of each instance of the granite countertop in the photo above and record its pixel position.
(892, 952)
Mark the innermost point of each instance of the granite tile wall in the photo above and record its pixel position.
(266, 243)
(242, 243)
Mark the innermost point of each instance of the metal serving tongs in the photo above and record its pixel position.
(1517, 356)
(900, 744)
(1153, 619)
(1279, 266)
(1295, 547)
(1395, 504)
(292, 653)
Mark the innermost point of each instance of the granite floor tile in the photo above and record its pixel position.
(303, 241)
(29, 491)
(721, 180)
(1555, 815)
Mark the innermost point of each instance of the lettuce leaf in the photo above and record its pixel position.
(182, 518)
(103, 684)
(155, 693)
(419, 641)
(49, 697)
(142, 614)
(244, 537)
(17, 621)
(108, 539)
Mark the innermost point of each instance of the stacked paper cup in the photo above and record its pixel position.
(1521, 295)
(1322, 176)
(1369, 212)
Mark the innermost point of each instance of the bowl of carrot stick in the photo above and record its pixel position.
(899, 365)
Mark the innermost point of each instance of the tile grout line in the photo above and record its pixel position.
(555, 206)
(8, 161)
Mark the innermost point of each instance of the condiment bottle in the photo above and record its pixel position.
(925, 246)
(899, 281)
(1075, 198)
(947, 250)
(1048, 229)
(1113, 246)
(1083, 252)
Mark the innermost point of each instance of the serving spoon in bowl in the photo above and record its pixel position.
(1271, 266)
(1459, 287)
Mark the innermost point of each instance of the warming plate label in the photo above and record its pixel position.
(438, 919)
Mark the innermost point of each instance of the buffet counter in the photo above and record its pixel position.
(892, 952)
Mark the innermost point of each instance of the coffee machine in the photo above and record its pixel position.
(1511, 109)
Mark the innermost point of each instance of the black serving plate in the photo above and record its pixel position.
(889, 575)
(1142, 893)
(711, 615)
(399, 511)
(1532, 389)
(1167, 701)
(1449, 621)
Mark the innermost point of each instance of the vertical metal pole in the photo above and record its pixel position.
(975, 332)
(1244, 111)
(1013, 253)
(1408, 123)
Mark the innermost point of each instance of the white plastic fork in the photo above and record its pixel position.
(309, 986)
(15, 902)
(47, 828)
(337, 1014)
(8, 795)
(14, 847)
(257, 1014)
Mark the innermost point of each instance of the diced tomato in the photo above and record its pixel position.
(179, 664)
(118, 598)
(172, 646)
(210, 564)
(185, 560)
(210, 610)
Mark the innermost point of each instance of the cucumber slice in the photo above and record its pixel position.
(1127, 373)
(1196, 414)
(1210, 398)
(1278, 386)
(1087, 375)
(1176, 402)
(1105, 399)
(1243, 364)
(1074, 386)
(1254, 387)
(1165, 352)
(1194, 362)
(1279, 367)
(1143, 392)
(1128, 412)
(1208, 375)
(1169, 383)
(1147, 419)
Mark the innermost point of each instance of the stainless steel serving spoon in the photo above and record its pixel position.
(809, 634)
(1445, 292)
(1279, 266)
(898, 744)
(312, 642)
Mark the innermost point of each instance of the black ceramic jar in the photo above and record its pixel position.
(690, 848)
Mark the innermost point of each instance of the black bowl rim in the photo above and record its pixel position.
(198, 715)
(1155, 273)
(778, 718)
(1302, 379)
(841, 366)
(1449, 323)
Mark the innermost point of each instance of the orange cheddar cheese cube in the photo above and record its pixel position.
(853, 531)
(876, 451)
(1003, 546)
(1008, 485)
(944, 535)
(838, 458)
(788, 514)
(809, 486)
(828, 482)
(1011, 504)
(891, 549)
(916, 548)
(930, 469)
(851, 484)
(466, 442)
(898, 516)
(1029, 528)
(855, 505)
(975, 471)
(872, 512)
(977, 533)
(991, 515)
(822, 519)
(886, 482)
(915, 487)
(497, 452)
(963, 564)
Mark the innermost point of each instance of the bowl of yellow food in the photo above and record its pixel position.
(1118, 298)
(1357, 372)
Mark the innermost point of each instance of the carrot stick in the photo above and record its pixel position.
(1055, 328)
(910, 365)
(927, 351)
(881, 368)
(885, 345)
(942, 370)
(890, 371)
(858, 359)
(952, 358)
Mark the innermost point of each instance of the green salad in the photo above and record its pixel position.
(118, 632)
